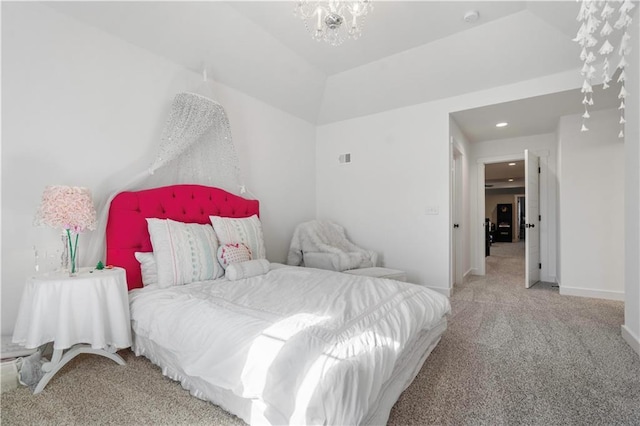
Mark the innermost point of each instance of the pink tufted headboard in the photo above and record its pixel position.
(127, 226)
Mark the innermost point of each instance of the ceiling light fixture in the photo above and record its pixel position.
(512, 164)
(333, 20)
(503, 124)
(510, 180)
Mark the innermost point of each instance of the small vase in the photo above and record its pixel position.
(64, 254)
(73, 253)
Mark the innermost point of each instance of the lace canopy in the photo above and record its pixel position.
(196, 147)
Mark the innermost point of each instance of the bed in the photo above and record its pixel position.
(289, 345)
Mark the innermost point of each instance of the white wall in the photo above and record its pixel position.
(592, 214)
(513, 148)
(631, 327)
(80, 107)
(400, 167)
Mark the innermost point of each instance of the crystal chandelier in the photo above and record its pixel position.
(333, 20)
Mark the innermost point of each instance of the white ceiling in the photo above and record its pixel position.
(391, 27)
(532, 116)
(497, 175)
(410, 52)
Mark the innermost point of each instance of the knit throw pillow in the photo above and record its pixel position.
(233, 253)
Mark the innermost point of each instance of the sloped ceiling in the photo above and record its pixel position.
(410, 52)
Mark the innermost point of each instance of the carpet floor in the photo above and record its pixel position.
(510, 356)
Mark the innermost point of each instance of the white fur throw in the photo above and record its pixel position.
(324, 244)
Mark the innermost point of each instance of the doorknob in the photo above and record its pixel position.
(530, 225)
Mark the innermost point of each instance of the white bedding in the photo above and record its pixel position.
(305, 346)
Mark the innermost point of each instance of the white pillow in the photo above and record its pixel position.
(185, 252)
(247, 230)
(248, 269)
(233, 253)
(147, 267)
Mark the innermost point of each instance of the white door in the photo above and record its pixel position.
(456, 216)
(531, 218)
(481, 243)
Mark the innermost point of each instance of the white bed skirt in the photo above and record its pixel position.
(250, 411)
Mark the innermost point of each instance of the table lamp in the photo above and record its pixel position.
(71, 209)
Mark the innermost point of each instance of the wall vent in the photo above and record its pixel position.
(344, 158)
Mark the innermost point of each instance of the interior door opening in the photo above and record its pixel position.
(506, 208)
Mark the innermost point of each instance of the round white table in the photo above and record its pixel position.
(86, 313)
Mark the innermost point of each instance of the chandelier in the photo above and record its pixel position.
(333, 20)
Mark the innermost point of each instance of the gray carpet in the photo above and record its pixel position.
(510, 356)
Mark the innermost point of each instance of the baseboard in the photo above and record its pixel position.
(549, 279)
(630, 338)
(595, 294)
(445, 291)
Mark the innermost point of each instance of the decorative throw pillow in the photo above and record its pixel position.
(233, 253)
(248, 269)
(185, 252)
(147, 267)
(247, 230)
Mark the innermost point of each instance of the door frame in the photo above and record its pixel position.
(480, 202)
(456, 273)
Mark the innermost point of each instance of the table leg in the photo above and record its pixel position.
(60, 358)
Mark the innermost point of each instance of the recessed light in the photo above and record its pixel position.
(503, 124)
(510, 180)
(512, 164)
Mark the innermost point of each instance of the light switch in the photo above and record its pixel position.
(431, 210)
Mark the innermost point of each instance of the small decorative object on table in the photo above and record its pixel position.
(100, 266)
(71, 209)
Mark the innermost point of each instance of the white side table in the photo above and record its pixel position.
(87, 313)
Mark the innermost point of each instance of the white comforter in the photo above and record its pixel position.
(307, 346)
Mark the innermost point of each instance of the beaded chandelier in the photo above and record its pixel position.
(596, 17)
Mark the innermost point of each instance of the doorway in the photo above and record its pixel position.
(501, 182)
(520, 203)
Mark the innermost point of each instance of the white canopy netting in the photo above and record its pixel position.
(196, 147)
